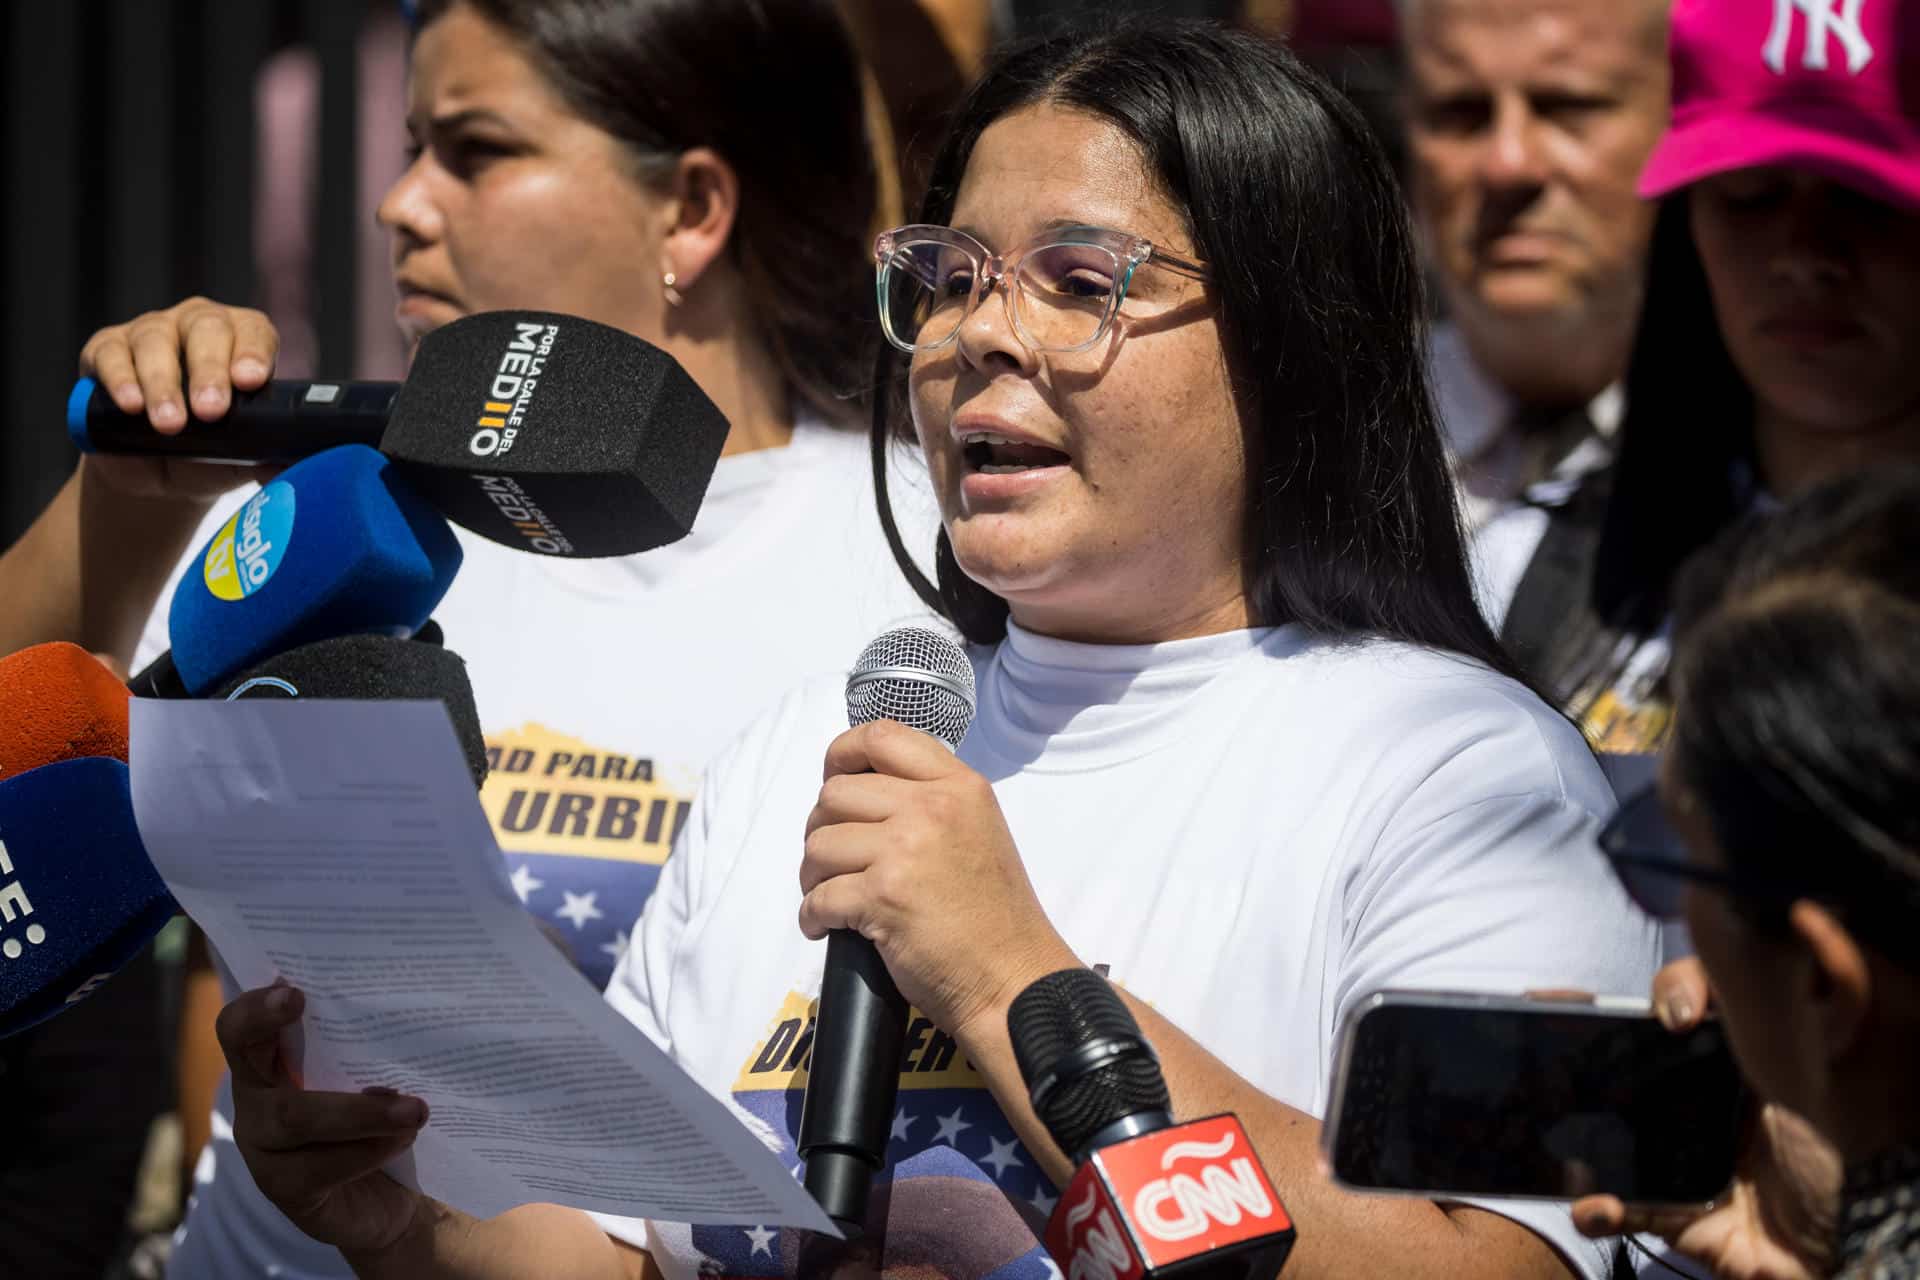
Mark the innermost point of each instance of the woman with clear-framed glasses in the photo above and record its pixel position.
(1242, 738)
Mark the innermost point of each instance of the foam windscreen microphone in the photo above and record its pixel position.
(78, 895)
(1148, 1197)
(336, 545)
(58, 703)
(373, 669)
(536, 430)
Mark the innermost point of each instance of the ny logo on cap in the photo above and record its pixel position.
(1826, 20)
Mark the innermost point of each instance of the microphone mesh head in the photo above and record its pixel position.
(916, 676)
(1055, 1016)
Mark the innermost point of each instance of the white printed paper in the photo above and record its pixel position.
(340, 845)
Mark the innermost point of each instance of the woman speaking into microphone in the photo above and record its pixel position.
(1242, 737)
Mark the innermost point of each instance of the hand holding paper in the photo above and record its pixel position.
(317, 1156)
(339, 846)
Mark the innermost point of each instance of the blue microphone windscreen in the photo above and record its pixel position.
(78, 895)
(336, 545)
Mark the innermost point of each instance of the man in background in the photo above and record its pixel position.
(1528, 122)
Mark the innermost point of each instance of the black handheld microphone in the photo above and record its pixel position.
(921, 679)
(282, 422)
(540, 431)
(1149, 1197)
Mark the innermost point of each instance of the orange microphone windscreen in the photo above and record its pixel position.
(58, 702)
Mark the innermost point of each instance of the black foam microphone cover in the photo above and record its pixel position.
(1081, 1053)
(373, 669)
(554, 434)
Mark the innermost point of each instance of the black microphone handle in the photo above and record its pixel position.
(282, 422)
(158, 679)
(846, 1117)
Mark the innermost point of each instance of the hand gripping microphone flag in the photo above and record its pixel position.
(543, 432)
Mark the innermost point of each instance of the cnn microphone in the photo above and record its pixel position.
(539, 431)
(921, 679)
(1148, 1198)
(335, 545)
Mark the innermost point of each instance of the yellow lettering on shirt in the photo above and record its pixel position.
(553, 794)
(780, 1057)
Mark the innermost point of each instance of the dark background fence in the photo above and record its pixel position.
(131, 155)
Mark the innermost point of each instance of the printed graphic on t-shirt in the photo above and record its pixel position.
(961, 1198)
(1626, 709)
(584, 829)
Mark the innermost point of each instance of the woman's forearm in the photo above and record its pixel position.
(533, 1240)
(1341, 1234)
(90, 568)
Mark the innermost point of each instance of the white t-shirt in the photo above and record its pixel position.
(1254, 830)
(604, 687)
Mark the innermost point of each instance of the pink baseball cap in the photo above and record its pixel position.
(1830, 86)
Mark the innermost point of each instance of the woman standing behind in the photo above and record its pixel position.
(1242, 735)
(616, 160)
(544, 178)
(1776, 349)
(694, 172)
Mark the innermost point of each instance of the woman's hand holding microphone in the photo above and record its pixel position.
(91, 566)
(908, 847)
(216, 350)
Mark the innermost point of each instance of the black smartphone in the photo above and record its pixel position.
(1444, 1094)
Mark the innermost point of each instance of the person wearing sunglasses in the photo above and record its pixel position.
(1785, 831)
(1242, 737)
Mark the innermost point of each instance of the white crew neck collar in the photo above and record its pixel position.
(1062, 706)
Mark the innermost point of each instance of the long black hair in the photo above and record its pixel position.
(1351, 525)
(774, 86)
(1797, 692)
(1686, 444)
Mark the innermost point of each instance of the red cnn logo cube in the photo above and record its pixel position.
(1144, 1207)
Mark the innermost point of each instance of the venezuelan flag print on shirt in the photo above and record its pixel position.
(955, 1169)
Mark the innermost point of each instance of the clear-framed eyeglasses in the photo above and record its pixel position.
(1067, 284)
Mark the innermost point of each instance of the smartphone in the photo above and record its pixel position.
(1452, 1094)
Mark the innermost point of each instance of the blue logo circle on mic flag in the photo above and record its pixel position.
(250, 545)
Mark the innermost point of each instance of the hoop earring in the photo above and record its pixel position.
(673, 295)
